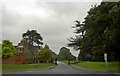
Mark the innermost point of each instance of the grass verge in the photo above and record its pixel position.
(22, 67)
(101, 66)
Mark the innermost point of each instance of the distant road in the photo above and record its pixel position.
(61, 68)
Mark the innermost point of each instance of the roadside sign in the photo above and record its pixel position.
(88, 55)
(105, 56)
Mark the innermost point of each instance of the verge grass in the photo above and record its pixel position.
(20, 67)
(101, 66)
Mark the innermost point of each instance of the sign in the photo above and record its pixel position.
(88, 55)
(105, 56)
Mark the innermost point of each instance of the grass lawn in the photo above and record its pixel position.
(19, 67)
(112, 66)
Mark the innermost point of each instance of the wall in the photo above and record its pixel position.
(10, 60)
(19, 59)
(14, 60)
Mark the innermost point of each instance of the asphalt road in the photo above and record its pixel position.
(61, 68)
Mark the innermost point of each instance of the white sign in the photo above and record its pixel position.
(105, 56)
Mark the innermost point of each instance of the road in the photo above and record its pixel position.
(61, 68)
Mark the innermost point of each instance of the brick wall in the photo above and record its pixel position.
(14, 60)
(10, 60)
(20, 59)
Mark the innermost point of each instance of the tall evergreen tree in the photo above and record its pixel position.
(32, 37)
(99, 33)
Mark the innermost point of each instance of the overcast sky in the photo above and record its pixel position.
(53, 20)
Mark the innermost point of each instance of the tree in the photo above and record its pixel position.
(77, 41)
(32, 37)
(54, 55)
(8, 49)
(45, 54)
(99, 33)
(65, 54)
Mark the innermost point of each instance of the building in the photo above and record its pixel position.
(27, 52)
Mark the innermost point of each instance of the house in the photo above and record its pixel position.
(26, 53)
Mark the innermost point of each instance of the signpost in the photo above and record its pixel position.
(88, 56)
(105, 58)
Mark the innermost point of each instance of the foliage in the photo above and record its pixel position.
(54, 55)
(32, 37)
(7, 49)
(99, 33)
(65, 54)
(45, 54)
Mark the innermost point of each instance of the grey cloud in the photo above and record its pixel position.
(70, 9)
(110, 0)
(55, 29)
(10, 18)
(0, 23)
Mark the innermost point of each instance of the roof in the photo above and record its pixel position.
(20, 46)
